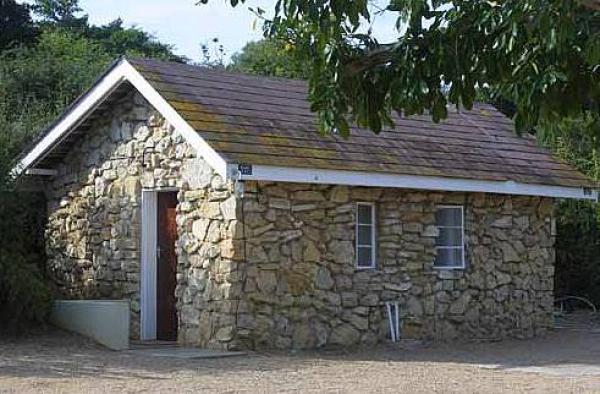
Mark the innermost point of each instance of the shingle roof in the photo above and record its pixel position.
(260, 120)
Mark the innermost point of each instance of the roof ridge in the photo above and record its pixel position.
(199, 67)
(226, 72)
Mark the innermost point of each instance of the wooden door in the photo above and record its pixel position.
(166, 313)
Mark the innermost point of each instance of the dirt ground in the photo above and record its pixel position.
(565, 361)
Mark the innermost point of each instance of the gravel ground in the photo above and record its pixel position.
(54, 361)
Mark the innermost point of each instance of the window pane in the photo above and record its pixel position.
(449, 237)
(449, 257)
(364, 235)
(364, 214)
(448, 216)
(364, 258)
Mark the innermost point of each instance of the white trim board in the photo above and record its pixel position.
(148, 266)
(41, 172)
(122, 71)
(368, 179)
(73, 118)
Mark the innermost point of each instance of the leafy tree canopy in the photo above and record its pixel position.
(542, 55)
(61, 13)
(16, 25)
(47, 76)
(118, 40)
(272, 58)
(67, 16)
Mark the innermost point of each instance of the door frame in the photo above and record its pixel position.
(148, 265)
(149, 234)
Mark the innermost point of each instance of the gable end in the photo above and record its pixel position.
(122, 71)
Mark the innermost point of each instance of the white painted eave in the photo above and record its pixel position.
(121, 72)
(371, 179)
(40, 172)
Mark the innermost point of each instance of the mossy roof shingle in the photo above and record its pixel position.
(260, 120)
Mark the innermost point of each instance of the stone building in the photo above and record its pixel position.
(209, 201)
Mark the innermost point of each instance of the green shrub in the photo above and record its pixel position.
(577, 141)
(578, 250)
(25, 298)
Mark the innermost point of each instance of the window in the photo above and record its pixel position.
(365, 235)
(450, 240)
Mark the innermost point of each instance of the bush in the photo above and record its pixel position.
(25, 298)
(577, 141)
(578, 250)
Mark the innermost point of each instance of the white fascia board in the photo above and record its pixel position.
(123, 71)
(369, 179)
(41, 172)
(88, 103)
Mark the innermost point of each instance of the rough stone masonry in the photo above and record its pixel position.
(94, 228)
(302, 288)
(276, 266)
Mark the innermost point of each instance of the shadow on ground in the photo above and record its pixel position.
(57, 354)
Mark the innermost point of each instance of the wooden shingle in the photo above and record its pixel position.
(261, 120)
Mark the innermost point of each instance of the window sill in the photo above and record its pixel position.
(449, 268)
(365, 268)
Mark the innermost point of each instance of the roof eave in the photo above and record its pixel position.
(372, 179)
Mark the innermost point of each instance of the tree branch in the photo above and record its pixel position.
(375, 57)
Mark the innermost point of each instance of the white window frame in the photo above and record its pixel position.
(373, 244)
(462, 246)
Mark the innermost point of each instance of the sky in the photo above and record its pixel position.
(181, 22)
(187, 26)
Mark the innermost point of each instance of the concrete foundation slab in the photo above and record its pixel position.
(181, 352)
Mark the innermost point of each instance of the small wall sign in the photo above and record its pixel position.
(245, 169)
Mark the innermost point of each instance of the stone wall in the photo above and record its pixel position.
(94, 228)
(209, 252)
(302, 289)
